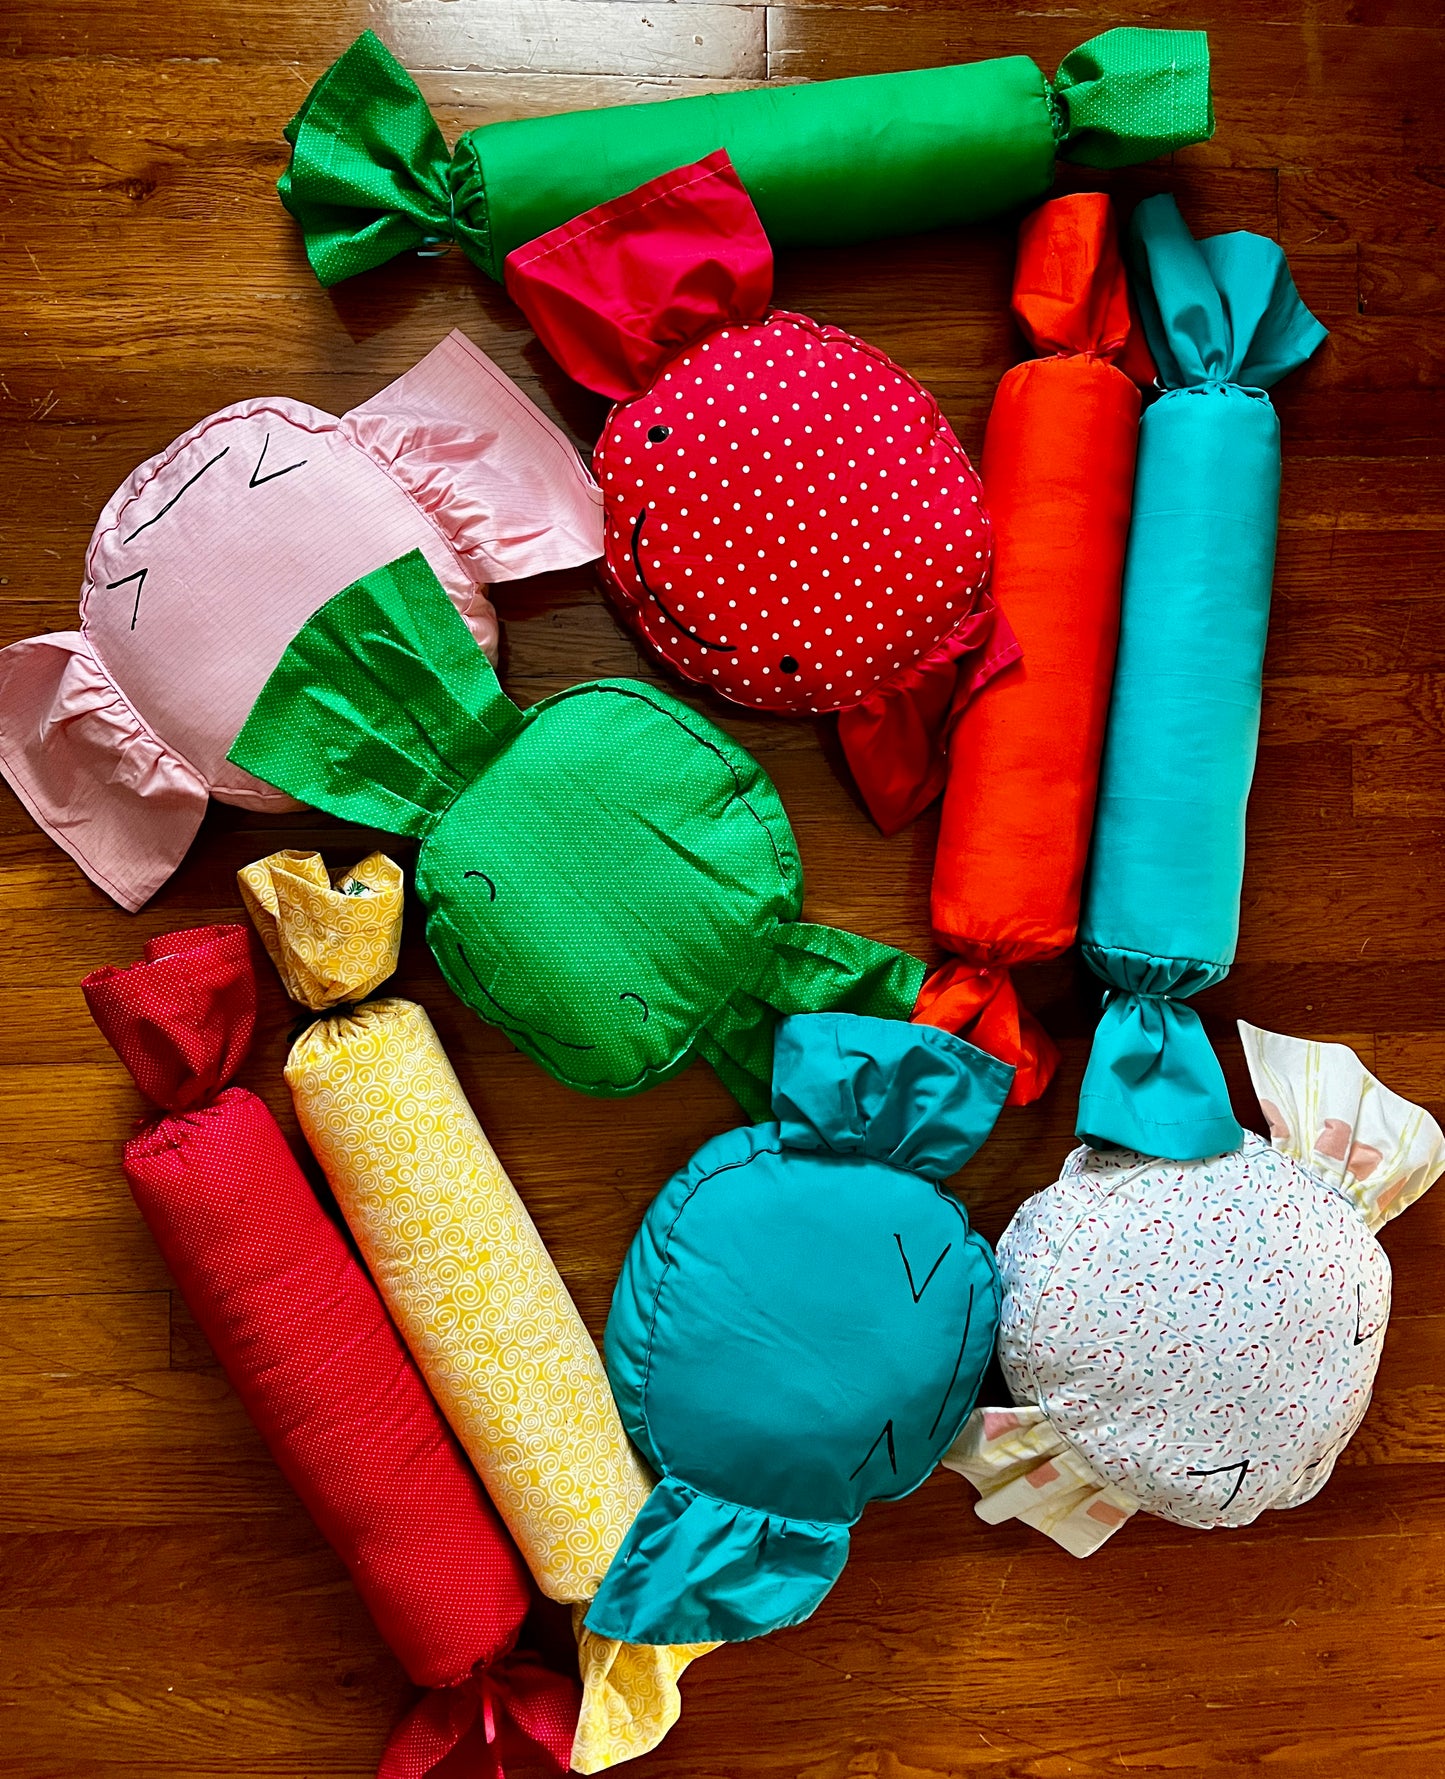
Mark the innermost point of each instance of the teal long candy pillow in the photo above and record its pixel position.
(1161, 907)
(608, 877)
(800, 1327)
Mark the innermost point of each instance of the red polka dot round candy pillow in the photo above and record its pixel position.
(790, 519)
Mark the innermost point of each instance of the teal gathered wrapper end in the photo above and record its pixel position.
(800, 1326)
(698, 1570)
(1161, 909)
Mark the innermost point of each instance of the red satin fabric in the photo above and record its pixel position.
(308, 1347)
(616, 292)
(1058, 468)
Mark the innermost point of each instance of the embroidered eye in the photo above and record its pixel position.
(656, 434)
(627, 995)
(491, 887)
(787, 665)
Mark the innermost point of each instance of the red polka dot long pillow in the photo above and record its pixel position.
(790, 520)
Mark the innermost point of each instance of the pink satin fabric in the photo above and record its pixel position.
(212, 555)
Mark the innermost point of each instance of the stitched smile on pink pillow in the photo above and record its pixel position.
(790, 520)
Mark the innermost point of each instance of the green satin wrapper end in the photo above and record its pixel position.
(827, 162)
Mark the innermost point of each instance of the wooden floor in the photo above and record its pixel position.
(165, 1606)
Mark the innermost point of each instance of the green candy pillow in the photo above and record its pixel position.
(608, 877)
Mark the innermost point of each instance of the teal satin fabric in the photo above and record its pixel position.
(1161, 911)
(695, 1569)
(800, 1326)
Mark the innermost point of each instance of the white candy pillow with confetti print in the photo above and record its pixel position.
(1199, 1340)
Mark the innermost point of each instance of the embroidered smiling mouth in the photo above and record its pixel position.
(539, 1035)
(724, 648)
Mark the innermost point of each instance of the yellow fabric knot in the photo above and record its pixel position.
(329, 942)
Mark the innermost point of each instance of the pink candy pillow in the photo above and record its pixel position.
(209, 559)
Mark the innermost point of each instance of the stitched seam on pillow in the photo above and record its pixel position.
(827, 333)
(641, 694)
(1089, 1464)
(82, 858)
(697, 1185)
(86, 863)
(793, 1519)
(535, 419)
(619, 211)
(421, 512)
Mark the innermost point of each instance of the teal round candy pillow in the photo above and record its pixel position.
(800, 1327)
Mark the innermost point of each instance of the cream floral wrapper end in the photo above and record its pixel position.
(1199, 1340)
(463, 1271)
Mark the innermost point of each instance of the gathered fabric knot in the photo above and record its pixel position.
(514, 1700)
(310, 1016)
(435, 246)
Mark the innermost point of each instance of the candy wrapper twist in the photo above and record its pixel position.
(1023, 763)
(1161, 908)
(827, 162)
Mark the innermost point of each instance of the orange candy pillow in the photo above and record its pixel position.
(1058, 471)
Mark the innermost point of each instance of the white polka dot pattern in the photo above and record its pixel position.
(1204, 1335)
(789, 518)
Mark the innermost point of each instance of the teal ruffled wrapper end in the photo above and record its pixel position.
(696, 1570)
(915, 1097)
(1221, 310)
(1153, 1083)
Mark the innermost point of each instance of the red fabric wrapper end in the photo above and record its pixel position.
(894, 740)
(511, 1712)
(1070, 293)
(621, 289)
(182, 1021)
(979, 1002)
(308, 1346)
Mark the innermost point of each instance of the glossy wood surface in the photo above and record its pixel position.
(166, 1609)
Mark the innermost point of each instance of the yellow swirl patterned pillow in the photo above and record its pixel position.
(465, 1275)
